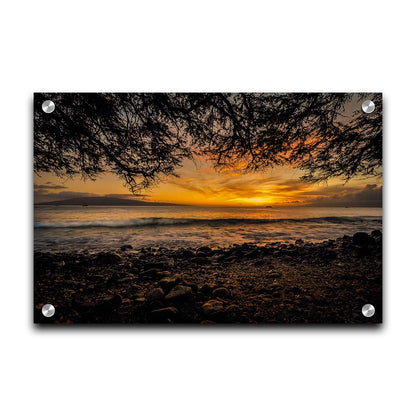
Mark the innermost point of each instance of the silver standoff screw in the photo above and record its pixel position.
(48, 106)
(48, 310)
(368, 310)
(368, 106)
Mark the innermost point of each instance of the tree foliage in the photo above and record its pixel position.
(143, 137)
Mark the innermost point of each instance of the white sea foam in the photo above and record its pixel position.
(155, 221)
(95, 228)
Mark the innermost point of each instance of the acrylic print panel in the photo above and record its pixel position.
(208, 208)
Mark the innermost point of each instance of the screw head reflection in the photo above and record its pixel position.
(48, 106)
(368, 106)
(368, 310)
(48, 310)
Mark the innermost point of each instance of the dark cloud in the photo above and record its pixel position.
(368, 196)
(49, 186)
(326, 191)
(189, 185)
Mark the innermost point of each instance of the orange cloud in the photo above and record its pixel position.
(199, 184)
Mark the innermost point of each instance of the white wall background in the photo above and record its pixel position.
(207, 46)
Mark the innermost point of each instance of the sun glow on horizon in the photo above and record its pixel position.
(200, 184)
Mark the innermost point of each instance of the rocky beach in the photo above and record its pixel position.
(325, 282)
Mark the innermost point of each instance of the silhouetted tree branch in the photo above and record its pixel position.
(308, 131)
(143, 137)
(132, 135)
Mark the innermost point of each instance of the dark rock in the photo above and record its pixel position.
(213, 308)
(201, 296)
(179, 294)
(139, 300)
(232, 313)
(259, 263)
(108, 258)
(205, 250)
(346, 245)
(221, 292)
(201, 260)
(154, 265)
(319, 299)
(126, 247)
(244, 318)
(187, 254)
(155, 294)
(99, 277)
(191, 284)
(376, 233)
(108, 304)
(299, 241)
(168, 283)
(153, 273)
(231, 259)
(237, 254)
(207, 289)
(363, 251)
(162, 315)
(329, 254)
(155, 304)
(252, 254)
(295, 290)
(258, 317)
(362, 239)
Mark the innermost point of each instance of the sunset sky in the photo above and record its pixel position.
(199, 184)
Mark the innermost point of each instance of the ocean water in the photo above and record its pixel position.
(96, 228)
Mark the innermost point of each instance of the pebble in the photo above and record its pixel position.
(108, 258)
(140, 300)
(164, 313)
(207, 289)
(284, 289)
(232, 313)
(213, 308)
(201, 260)
(186, 254)
(155, 294)
(153, 273)
(167, 284)
(179, 293)
(252, 254)
(204, 249)
(109, 304)
(154, 266)
(221, 292)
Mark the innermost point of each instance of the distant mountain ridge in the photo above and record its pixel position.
(105, 200)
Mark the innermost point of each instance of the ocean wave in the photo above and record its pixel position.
(156, 221)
